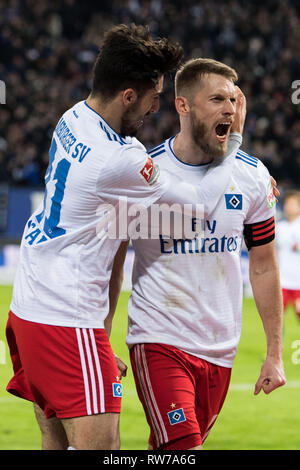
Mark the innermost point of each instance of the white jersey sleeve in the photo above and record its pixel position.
(264, 202)
(234, 142)
(259, 224)
(131, 173)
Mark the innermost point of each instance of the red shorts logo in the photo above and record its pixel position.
(147, 170)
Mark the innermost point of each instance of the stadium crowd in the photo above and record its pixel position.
(47, 50)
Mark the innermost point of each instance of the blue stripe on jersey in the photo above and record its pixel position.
(122, 141)
(106, 131)
(249, 157)
(153, 155)
(117, 137)
(246, 161)
(252, 161)
(110, 136)
(158, 147)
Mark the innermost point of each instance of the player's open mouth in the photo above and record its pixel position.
(222, 131)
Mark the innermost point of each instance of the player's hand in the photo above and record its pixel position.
(240, 113)
(275, 189)
(271, 376)
(121, 366)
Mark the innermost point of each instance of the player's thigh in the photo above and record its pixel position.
(18, 384)
(94, 432)
(211, 390)
(166, 389)
(71, 372)
(53, 434)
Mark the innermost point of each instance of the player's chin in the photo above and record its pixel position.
(220, 149)
(134, 127)
(129, 131)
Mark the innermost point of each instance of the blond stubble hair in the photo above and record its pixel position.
(189, 76)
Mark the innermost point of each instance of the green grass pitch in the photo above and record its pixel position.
(247, 422)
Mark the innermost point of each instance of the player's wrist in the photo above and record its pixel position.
(274, 355)
(236, 135)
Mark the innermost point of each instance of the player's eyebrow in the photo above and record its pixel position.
(222, 96)
(218, 95)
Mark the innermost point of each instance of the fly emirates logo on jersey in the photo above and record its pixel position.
(177, 231)
(209, 243)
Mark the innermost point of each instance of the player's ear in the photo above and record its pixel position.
(129, 96)
(182, 106)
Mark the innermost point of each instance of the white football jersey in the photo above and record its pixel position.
(69, 242)
(187, 292)
(66, 254)
(287, 239)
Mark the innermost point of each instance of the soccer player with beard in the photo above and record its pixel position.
(185, 311)
(67, 282)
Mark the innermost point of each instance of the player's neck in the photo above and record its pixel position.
(108, 111)
(187, 151)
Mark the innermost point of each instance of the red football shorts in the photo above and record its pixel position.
(67, 371)
(292, 296)
(182, 395)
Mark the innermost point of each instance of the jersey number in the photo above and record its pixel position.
(51, 223)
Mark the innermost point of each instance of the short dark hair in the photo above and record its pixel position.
(130, 58)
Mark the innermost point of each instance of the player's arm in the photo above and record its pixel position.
(265, 282)
(237, 126)
(237, 129)
(115, 286)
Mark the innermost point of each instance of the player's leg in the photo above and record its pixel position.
(166, 389)
(72, 373)
(53, 433)
(94, 423)
(18, 384)
(286, 297)
(296, 302)
(211, 390)
(96, 432)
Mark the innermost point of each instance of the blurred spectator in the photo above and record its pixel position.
(47, 50)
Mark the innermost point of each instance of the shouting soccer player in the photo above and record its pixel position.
(67, 282)
(185, 311)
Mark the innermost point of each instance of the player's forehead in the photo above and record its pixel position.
(156, 90)
(215, 84)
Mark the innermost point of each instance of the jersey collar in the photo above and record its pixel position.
(111, 134)
(187, 166)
